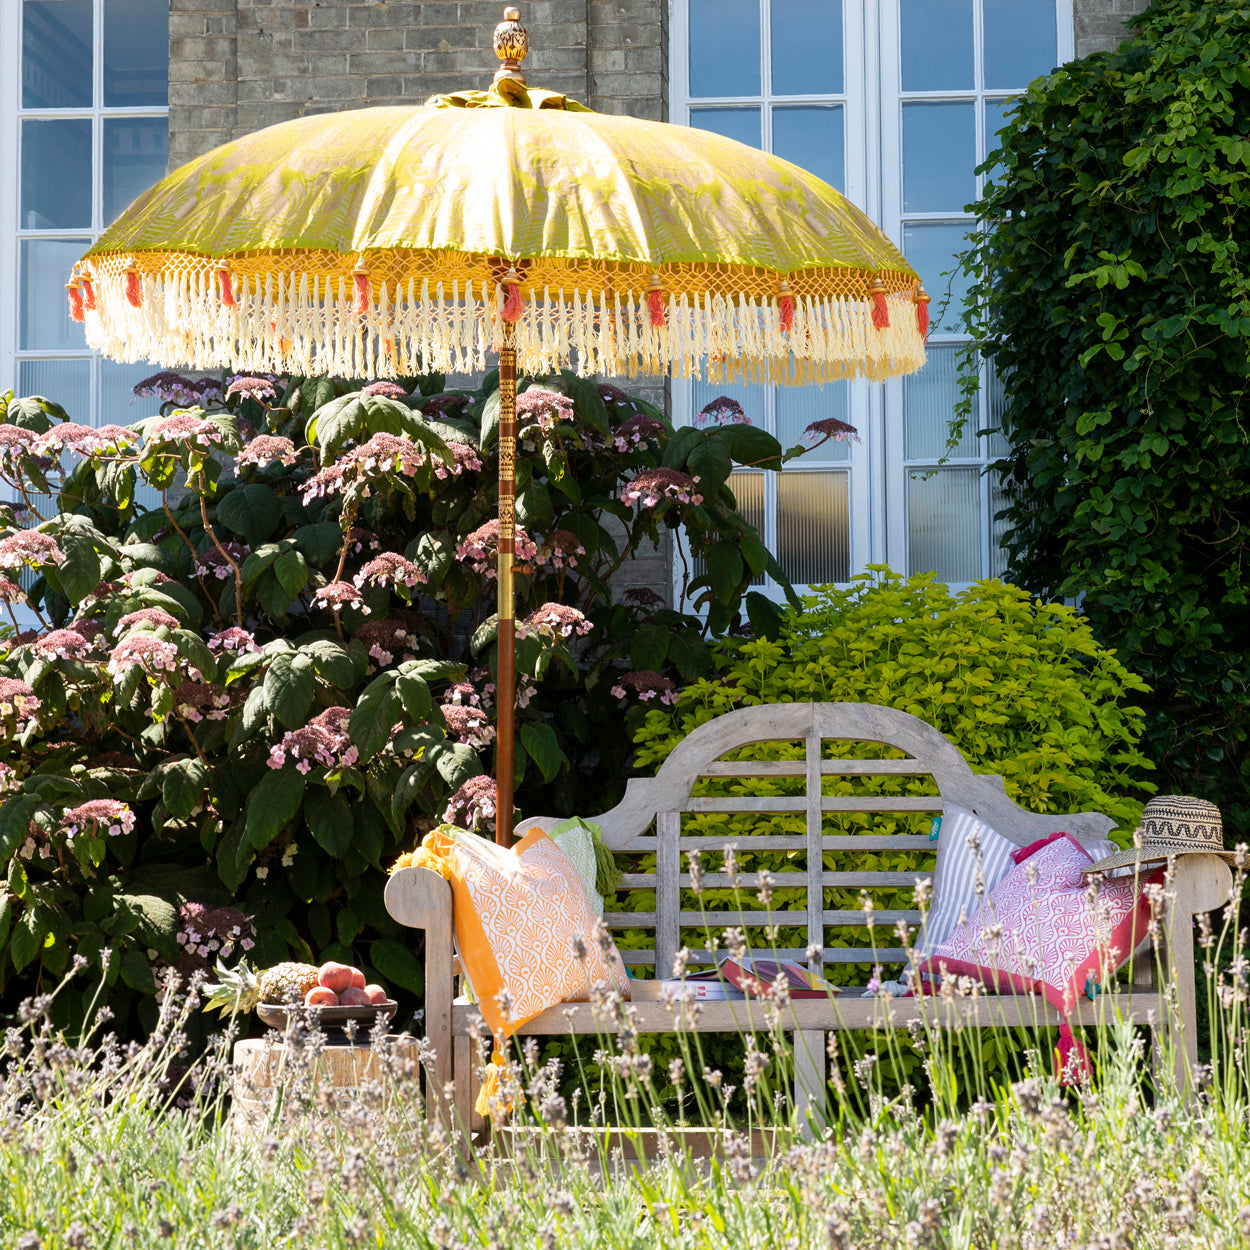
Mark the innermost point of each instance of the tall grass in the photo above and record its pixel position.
(105, 1145)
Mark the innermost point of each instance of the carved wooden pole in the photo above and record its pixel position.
(505, 675)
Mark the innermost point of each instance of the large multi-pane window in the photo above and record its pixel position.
(895, 103)
(84, 125)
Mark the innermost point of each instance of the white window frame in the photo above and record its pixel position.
(12, 233)
(873, 154)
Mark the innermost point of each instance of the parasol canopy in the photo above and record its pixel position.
(376, 242)
(396, 241)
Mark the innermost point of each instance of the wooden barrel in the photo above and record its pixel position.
(327, 1080)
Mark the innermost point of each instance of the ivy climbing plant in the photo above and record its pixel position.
(1111, 295)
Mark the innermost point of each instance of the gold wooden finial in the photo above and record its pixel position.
(512, 45)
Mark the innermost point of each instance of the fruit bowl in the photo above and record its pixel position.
(276, 1015)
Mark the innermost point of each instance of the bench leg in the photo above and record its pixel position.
(809, 1080)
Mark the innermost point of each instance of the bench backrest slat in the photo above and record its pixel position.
(660, 802)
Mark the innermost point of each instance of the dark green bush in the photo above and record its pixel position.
(1111, 293)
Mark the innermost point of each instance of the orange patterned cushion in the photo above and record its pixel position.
(516, 914)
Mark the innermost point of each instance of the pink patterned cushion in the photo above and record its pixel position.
(1039, 932)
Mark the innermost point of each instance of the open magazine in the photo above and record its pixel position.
(734, 979)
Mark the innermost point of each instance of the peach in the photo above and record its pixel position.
(358, 979)
(352, 997)
(321, 996)
(336, 977)
(377, 995)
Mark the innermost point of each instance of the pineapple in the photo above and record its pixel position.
(242, 987)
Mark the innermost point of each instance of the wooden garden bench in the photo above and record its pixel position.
(655, 818)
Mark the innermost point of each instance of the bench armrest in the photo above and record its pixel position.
(421, 899)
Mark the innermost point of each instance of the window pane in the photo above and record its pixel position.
(812, 137)
(43, 311)
(56, 54)
(136, 151)
(937, 44)
(118, 405)
(799, 406)
(67, 382)
(1000, 498)
(932, 250)
(56, 175)
(939, 155)
(1019, 42)
(807, 47)
(724, 48)
(929, 399)
(813, 527)
(136, 53)
(741, 124)
(944, 523)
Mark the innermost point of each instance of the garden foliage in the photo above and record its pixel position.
(1111, 294)
(241, 699)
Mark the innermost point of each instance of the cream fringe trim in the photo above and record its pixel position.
(307, 325)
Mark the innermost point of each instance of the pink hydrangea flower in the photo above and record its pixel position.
(17, 700)
(651, 486)
(636, 432)
(830, 428)
(212, 563)
(112, 439)
(197, 701)
(250, 387)
(267, 447)
(185, 428)
(386, 639)
(360, 540)
(62, 644)
(232, 639)
(388, 390)
(553, 620)
(324, 740)
(481, 548)
(647, 686)
(69, 434)
(10, 592)
(389, 569)
(29, 547)
(543, 408)
(176, 388)
(97, 816)
(146, 651)
(339, 595)
(467, 724)
(146, 618)
(474, 803)
(722, 411)
(560, 549)
(15, 443)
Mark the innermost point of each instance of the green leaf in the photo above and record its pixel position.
(542, 746)
(80, 572)
(272, 805)
(484, 635)
(183, 783)
(649, 647)
(258, 561)
(333, 663)
(456, 763)
(320, 543)
(397, 965)
(533, 506)
(377, 710)
(252, 511)
(765, 616)
(329, 817)
(710, 462)
(490, 421)
(750, 445)
(28, 934)
(289, 689)
(292, 572)
(234, 855)
(15, 817)
(725, 570)
(137, 971)
(33, 412)
(414, 694)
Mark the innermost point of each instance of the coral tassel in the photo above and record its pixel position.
(75, 302)
(513, 305)
(227, 292)
(134, 292)
(88, 295)
(786, 307)
(880, 309)
(922, 314)
(655, 302)
(360, 282)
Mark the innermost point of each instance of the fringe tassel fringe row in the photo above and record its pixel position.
(297, 323)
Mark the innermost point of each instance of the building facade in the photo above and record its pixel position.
(894, 101)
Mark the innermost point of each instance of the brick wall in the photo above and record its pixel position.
(1100, 23)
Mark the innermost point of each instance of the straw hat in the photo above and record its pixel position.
(1171, 824)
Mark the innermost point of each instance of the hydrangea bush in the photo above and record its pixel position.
(251, 692)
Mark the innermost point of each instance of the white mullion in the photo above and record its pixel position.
(10, 105)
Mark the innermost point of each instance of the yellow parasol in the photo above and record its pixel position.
(513, 222)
